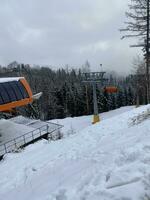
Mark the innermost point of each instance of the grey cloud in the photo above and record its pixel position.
(64, 32)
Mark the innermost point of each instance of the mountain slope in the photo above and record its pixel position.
(109, 160)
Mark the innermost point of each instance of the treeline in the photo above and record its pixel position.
(65, 95)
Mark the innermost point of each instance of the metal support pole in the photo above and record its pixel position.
(5, 148)
(93, 78)
(24, 139)
(47, 128)
(96, 115)
(87, 100)
(147, 54)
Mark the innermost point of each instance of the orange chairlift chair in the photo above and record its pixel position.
(111, 89)
(15, 92)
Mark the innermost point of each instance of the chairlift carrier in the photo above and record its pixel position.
(111, 89)
(14, 92)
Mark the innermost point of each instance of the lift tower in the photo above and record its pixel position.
(94, 78)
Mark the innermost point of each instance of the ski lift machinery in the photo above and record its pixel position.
(95, 78)
(15, 92)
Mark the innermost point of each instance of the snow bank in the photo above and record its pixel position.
(10, 130)
(109, 160)
(2, 80)
(73, 125)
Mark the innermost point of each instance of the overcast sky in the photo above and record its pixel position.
(60, 32)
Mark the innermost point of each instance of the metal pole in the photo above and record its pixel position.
(93, 78)
(87, 99)
(147, 55)
(96, 116)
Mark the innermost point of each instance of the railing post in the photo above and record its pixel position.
(47, 128)
(5, 148)
(24, 139)
(32, 135)
(15, 143)
(40, 131)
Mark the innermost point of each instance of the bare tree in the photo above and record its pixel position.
(138, 25)
(141, 86)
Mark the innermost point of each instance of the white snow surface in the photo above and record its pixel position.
(106, 161)
(2, 80)
(10, 130)
(75, 124)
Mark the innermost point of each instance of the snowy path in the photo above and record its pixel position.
(108, 161)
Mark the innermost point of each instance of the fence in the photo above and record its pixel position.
(27, 138)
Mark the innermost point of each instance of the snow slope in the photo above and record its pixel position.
(73, 125)
(109, 160)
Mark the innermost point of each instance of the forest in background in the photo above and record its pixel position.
(65, 95)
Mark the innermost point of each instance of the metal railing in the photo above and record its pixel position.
(27, 138)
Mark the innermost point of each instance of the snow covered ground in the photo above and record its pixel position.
(17, 126)
(75, 124)
(10, 130)
(23, 130)
(106, 161)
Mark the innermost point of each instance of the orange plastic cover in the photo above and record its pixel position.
(111, 89)
(22, 102)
